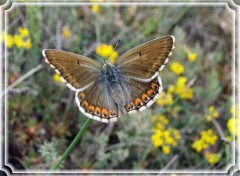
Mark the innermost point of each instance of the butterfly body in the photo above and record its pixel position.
(111, 73)
(111, 78)
(132, 82)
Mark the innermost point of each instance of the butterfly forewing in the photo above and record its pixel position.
(144, 61)
(78, 72)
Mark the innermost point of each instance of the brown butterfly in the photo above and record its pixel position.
(102, 89)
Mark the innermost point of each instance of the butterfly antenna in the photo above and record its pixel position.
(103, 60)
(114, 48)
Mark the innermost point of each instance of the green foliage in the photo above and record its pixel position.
(48, 152)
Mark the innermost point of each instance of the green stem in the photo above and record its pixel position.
(72, 145)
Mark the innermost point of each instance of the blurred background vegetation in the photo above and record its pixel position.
(190, 126)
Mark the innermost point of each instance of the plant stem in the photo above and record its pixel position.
(72, 145)
(97, 29)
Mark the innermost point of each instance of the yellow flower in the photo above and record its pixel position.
(171, 89)
(174, 143)
(207, 139)
(198, 145)
(176, 134)
(187, 94)
(231, 126)
(95, 8)
(181, 89)
(208, 118)
(211, 114)
(156, 139)
(107, 51)
(104, 50)
(169, 140)
(57, 78)
(211, 108)
(23, 32)
(229, 138)
(9, 41)
(192, 57)
(164, 136)
(165, 99)
(177, 68)
(27, 44)
(181, 84)
(164, 119)
(66, 32)
(215, 114)
(212, 158)
(166, 149)
(166, 133)
(18, 40)
(159, 126)
(113, 56)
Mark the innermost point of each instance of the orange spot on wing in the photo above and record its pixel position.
(91, 109)
(85, 104)
(138, 102)
(154, 86)
(113, 112)
(104, 112)
(130, 106)
(145, 98)
(82, 96)
(98, 111)
(150, 92)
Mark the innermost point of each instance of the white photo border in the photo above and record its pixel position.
(234, 8)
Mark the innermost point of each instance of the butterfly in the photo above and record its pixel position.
(102, 90)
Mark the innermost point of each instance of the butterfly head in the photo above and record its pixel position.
(107, 63)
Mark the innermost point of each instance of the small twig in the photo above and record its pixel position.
(169, 163)
(21, 79)
(23, 89)
(225, 140)
(114, 146)
(58, 35)
(219, 129)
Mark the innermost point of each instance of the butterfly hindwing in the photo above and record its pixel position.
(144, 61)
(141, 94)
(96, 102)
(77, 71)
